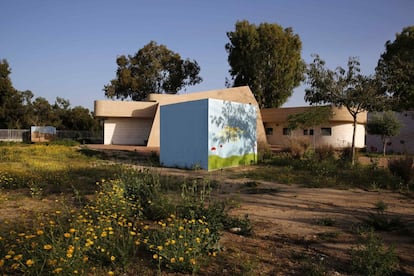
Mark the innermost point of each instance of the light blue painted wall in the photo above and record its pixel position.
(184, 134)
(232, 128)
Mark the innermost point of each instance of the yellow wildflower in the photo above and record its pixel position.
(181, 259)
(155, 256)
(172, 260)
(47, 247)
(66, 235)
(57, 270)
(39, 232)
(113, 258)
(29, 262)
(18, 257)
(193, 261)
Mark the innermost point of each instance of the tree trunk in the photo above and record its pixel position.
(384, 146)
(353, 140)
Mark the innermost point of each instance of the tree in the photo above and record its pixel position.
(12, 111)
(396, 69)
(153, 69)
(347, 88)
(384, 124)
(268, 59)
(312, 117)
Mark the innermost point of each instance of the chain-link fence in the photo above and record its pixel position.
(23, 135)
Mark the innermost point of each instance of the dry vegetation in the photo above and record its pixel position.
(278, 218)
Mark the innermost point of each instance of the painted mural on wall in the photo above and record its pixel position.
(232, 134)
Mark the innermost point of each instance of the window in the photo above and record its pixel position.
(326, 131)
(286, 131)
(269, 131)
(308, 132)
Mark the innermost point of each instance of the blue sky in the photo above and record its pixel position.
(68, 49)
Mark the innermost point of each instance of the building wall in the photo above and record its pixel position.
(126, 131)
(184, 139)
(208, 133)
(401, 143)
(340, 125)
(150, 109)
(341, 136)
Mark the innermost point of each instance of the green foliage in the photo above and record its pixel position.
(18, 109)
(314, 116)
(181, 244)
(371, 258)
(396, 69)
(267, 58)
(241, 226)
(153, 69)
(385, 124)
(343, 88)
(107, 232)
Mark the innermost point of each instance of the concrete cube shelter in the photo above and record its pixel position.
(208, 133)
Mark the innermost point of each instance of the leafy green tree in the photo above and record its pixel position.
(396, 69)
(12, 110)
(153, 69)
(343, 88)
(385, 124)
(314, 116)
(268, 59)
(43, 113)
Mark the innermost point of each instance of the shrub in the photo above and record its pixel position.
(298, 148)
(181, 244)
(325, 152)
(382, 221)
(402, 167)
(371, 258)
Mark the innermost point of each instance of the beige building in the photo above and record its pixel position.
(337, 132)
(401, 143)
(138, 123)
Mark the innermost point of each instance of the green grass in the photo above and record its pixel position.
(217, 162)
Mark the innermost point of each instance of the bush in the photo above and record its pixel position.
(402, 167)
(325, 152)
(298, 148)
(371, 258)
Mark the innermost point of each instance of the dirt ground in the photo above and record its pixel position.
(298, 228)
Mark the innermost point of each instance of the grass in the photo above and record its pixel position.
(104, 217)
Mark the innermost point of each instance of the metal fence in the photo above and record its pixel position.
(23, 135)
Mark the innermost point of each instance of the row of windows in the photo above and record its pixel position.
(325, 131)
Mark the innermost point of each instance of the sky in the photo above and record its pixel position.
(68, 49)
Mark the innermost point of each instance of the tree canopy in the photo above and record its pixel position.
(153, 69)
(396, 69)
(268, 59)
(19, 110)
(343, 88)
(385, 124)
